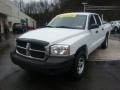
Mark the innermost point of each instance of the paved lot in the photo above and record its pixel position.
(102, 75)
(109, 54)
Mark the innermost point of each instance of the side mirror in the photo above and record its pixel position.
(92, 26)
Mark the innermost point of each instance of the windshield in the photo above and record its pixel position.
(69, 21)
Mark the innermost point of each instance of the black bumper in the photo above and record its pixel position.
(51, 65)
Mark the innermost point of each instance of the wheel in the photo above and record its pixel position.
(116, 29)
(105, 43)
(79, 65)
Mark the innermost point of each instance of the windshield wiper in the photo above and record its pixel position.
(66, 27)
(50, 26)
(59, 27)
(63, 27)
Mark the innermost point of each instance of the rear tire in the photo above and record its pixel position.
(105, 43)
(118, 31)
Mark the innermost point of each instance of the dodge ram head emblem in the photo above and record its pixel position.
(28, 49)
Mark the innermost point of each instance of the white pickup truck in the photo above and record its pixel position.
(63, 45)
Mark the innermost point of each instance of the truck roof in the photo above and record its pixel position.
(79, 13)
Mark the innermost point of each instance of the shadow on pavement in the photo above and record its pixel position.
(99, 76)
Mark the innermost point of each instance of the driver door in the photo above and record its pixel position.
(94, 33)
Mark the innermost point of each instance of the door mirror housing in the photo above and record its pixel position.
(92, 26)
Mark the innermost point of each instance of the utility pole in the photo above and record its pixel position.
(84, 6)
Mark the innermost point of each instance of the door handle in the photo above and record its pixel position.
(102, 28)
(97, 31)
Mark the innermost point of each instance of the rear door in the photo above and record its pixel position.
(101, 30)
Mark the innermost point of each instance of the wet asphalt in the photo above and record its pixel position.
(102, 75)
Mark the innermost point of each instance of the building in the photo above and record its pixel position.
(10, 14)
(5, 11)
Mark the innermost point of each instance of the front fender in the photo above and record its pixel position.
(77, 42)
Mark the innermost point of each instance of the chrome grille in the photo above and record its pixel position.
(31, 49)
(21, 43)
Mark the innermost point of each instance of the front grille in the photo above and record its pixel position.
(22, 51)
(21, 43)
(37, 54)
(37, 47)
(32, 49)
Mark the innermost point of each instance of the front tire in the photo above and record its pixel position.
(79, 65)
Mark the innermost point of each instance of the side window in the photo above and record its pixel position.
(91, 21)
(98, 20)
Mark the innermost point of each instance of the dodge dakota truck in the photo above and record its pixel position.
(63, 45)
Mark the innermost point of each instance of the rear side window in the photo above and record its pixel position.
(98, 20)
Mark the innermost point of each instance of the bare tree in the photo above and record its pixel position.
(20, 4)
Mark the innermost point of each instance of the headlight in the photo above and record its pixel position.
(60, 50)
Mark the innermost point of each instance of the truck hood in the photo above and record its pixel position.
(52, 35)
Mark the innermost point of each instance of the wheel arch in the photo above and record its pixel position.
(116, 27)
(82, 48)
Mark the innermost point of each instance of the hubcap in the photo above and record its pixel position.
(81, 65)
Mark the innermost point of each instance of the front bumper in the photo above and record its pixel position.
(50, 66)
